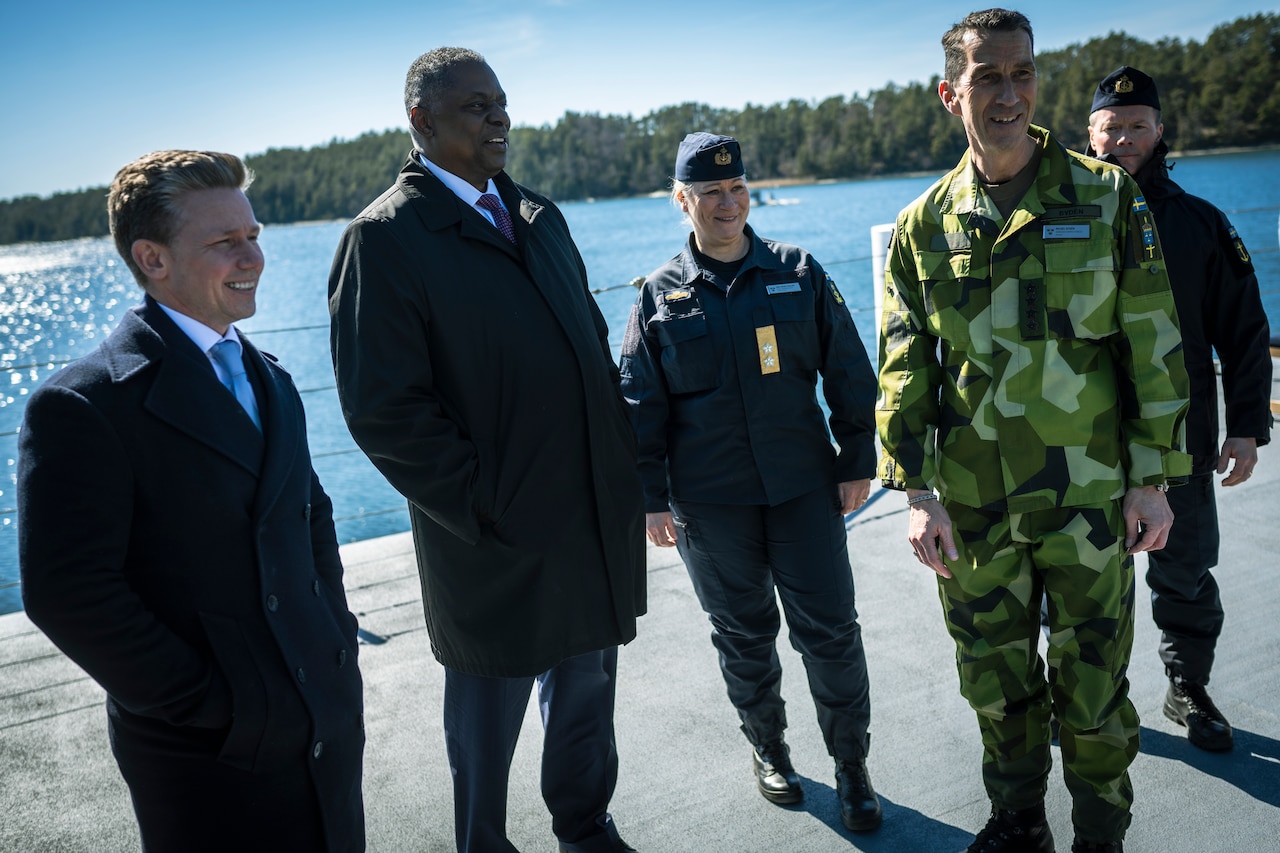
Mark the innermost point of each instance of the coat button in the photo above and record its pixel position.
(306, 511)
(342, 656)
(273, 603)
(302, 675)
(317, 749)
(315, 587)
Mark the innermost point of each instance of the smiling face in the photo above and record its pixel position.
(209, 271)
(1129, 133)
(465, 131)
(996, 97)
(718, 211)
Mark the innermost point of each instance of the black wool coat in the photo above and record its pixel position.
(189, 564)
(477, 377)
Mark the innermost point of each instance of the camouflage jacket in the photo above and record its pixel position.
(1034, 362)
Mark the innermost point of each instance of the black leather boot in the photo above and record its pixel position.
(1189, 705)
(859, 805)
(775, 777)
(1008, 831)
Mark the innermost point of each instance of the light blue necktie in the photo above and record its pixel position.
(227, 354)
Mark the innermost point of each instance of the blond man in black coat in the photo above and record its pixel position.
(175, 542)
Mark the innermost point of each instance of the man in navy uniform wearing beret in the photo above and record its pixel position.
(1219, 306)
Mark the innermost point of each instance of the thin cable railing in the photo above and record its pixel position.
(634, 283)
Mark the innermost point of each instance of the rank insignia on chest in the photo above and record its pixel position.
(1149, 241)
(767, 343)
(676, 295)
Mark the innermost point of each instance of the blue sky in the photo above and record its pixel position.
(85, 88)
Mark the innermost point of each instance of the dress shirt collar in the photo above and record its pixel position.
(200, 334)
(461, 188)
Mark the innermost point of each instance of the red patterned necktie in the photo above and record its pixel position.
(501, 218)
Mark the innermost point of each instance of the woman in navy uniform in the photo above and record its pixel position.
(720, 364)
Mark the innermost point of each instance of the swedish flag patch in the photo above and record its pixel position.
(1241, 251)
(1139, 204)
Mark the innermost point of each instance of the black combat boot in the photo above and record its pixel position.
(1189, 705)
(1079, 846)
(859, 805)
(775, 777)
(1008, 831)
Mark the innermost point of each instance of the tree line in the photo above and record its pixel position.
(1222, 93)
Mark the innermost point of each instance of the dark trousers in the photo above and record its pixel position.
(736, 557)
(482, 718)
(1184, 594)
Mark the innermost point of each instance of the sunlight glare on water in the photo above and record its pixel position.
(59, 300)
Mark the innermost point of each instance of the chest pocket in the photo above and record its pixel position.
(791, 310)
(1080, 288)
(688, 359)
(950, 297)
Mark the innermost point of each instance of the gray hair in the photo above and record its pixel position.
(431, 73)
(142, 202)
(988, 20)
(679, 188)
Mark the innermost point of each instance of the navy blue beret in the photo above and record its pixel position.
(1125, 87)
(708, 157)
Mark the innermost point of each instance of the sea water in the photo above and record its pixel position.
(60, 300)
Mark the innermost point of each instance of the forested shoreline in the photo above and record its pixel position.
(1222, 93)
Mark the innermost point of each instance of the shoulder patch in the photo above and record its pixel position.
(1146, 245)
(835, 291)
(1237, 255)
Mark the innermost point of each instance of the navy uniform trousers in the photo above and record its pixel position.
(1184, 594)
(736, 555)
(482, 719)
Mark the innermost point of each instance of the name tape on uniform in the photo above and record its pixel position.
(1067, 232)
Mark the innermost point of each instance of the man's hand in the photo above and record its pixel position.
(660, 527)
(929, 532)
(853, 494)
(1146, 511)
(1245, 452)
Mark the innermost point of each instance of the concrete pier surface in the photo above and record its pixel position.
(685, 782)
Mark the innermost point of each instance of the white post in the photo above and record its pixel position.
(880, 236)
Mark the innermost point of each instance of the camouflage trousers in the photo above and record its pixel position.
(1008, 564)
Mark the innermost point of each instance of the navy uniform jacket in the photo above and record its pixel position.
(721, 378)
(189, 564)
(1220, 308)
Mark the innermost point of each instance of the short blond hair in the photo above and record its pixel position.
(142, 203)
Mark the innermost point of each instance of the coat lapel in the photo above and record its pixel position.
(186, 392)
(282, 425)
(438, 208)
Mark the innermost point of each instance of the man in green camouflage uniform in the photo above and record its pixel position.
(1031, 371)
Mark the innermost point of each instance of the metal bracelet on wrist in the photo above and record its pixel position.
(921, 499)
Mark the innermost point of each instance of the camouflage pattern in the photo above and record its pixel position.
(1008, 563)
(1035, 362)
